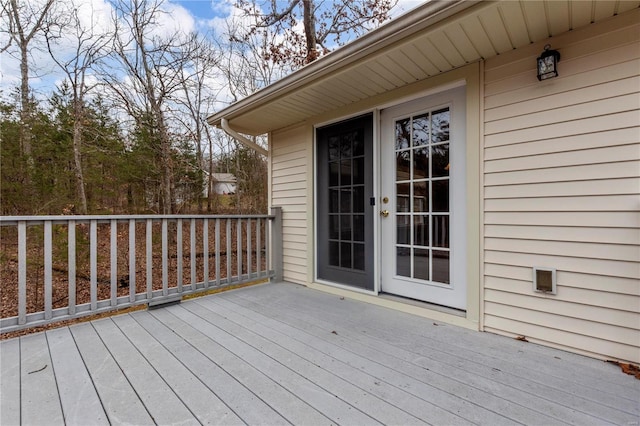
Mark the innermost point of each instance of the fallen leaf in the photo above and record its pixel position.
(522, 338)
(334, 332)
(630, 369)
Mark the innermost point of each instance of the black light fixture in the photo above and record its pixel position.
(548, 63)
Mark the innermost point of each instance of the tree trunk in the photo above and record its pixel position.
(77, 157)
(309, 21)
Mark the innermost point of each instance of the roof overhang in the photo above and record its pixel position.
(431, 39)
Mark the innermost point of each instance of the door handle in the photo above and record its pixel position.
(384, 213)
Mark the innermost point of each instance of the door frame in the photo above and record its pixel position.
(471, 76)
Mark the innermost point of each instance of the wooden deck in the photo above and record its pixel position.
(284, 354)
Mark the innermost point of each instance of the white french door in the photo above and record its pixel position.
(422, 203)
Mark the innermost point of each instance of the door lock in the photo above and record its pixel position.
(384, 213)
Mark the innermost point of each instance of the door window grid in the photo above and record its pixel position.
(347, 200)
(422, 196)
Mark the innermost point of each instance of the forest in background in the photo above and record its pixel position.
(124, 129)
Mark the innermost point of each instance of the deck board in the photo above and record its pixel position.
(78, 397)
(10, 382)
(286, 354)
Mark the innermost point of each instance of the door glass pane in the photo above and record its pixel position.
(334, 227)
(358, 199)
(358, 171)
(346, 144)
(403, 137)
(358, 256)
(358, 145)
(345, 172)
(440, 200)
(358, 228)
(403, 227)
(334, 148)
(403, 261)
(421, 130)
(440, 125)
(345, 201)
(403, 165)
(440, 160)
(345, 255)
(441, 266)
(345, 227)
(421, 163)
(440, 231)
(334, 253)
(403, 197)
(421, 230)
(421, 264)
(421, 196)
(334, 201)
(334, 170)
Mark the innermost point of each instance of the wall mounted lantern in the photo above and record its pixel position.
(548, 63)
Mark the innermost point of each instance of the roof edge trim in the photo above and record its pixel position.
(428, 14)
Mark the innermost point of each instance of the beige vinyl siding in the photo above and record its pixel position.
(290, 165)
(562, 190)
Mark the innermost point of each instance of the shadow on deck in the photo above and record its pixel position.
(285, 354)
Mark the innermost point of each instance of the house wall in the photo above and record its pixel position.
(291, 166)
(562, 190)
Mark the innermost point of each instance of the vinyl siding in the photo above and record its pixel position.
(562, 190)
(290, 166)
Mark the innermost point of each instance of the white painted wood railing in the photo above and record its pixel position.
(129, 261)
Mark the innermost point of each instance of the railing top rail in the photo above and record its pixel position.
(13, 220)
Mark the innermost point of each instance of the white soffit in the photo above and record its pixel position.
(434, 38)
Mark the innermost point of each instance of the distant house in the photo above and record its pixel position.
(426, 168)
(224, 183)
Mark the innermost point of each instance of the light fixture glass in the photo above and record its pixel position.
(548, 63)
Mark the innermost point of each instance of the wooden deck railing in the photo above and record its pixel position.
(54, 268)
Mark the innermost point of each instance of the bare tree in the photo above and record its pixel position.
(89, 47)
(23, 22)
(201, 60)
(325, 24)
(150, 73)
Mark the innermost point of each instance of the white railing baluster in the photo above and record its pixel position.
(93, 261)
(258, 247)
(217, 243)
(193, 254)
(48, 264)
(149, 258)
(132, 260)
(165, 258)
(179, 258)
(228, 251)
(71, 256)
(248, 248)
(22, 272)
(114, 262)
(205, 251)
(239, 247)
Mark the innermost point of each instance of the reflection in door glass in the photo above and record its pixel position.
(422, 196)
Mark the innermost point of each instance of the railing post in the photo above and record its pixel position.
(276, 245)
